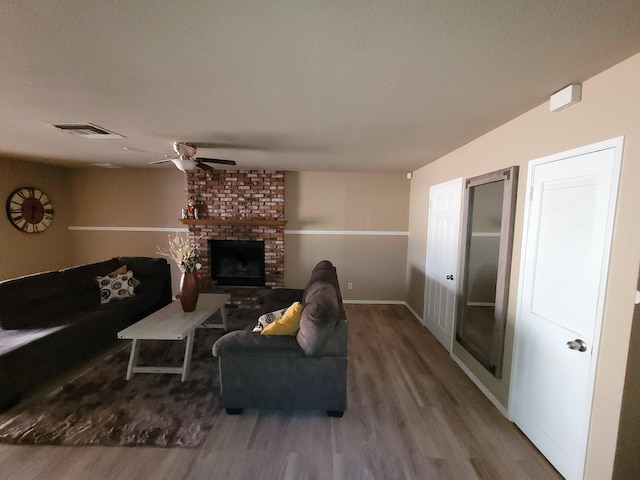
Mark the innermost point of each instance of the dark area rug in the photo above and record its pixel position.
(100, 407)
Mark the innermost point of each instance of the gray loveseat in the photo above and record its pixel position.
(51, 321)
(306, 371)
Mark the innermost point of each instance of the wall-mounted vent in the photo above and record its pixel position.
(87, 130)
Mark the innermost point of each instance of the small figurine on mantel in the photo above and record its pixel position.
(192, 211)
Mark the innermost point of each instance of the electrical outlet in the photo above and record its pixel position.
(349, 286)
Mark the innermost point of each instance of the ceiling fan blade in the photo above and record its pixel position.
(204, 166)
(221, 145)
(160, 161)
(217, 160)
(138, 150)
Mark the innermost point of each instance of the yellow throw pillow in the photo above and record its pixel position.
(288, 324)
(267, 318)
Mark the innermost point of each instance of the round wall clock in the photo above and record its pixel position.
(29, 209)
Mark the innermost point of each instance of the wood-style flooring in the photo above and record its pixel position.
(412, 414)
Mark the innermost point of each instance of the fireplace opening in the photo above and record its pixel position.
(237, 262)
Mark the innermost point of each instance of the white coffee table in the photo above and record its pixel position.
(171, 323)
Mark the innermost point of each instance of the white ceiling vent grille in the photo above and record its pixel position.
(87, 130)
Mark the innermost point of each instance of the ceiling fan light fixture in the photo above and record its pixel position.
(184, 164)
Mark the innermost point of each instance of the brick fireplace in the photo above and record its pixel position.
(239, 205)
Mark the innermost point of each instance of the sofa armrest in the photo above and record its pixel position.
(243, 342)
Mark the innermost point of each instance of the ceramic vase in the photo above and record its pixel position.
(188, 291)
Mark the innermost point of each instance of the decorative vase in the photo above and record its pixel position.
(188, 291)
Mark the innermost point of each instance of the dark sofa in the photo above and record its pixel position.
(306, 371)
(51, 321)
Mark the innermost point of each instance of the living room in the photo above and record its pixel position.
(368, 222)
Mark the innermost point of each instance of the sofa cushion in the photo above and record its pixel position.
(27, 302)
(131, 309)
(288, 324)
(324, 271)
(319, 317)
(83, 281)
(15, 339)
(151, 272)
(247, 343)
(121, 271)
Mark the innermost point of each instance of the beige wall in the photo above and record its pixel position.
(610, 107)
(128, 197)
(313, 201)
(124, 198)
(627, 464)
(138, 199)
(347, 218)
(23, 253)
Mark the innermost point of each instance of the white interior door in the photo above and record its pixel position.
(443, 238)
(568, 228)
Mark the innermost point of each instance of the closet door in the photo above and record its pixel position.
(567, 238)
(441, 269)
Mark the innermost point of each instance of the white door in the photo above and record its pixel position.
(441, 269)
(567, 236)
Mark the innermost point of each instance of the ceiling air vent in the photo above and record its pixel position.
(87, 130)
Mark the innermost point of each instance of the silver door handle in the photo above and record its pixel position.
(577, 344)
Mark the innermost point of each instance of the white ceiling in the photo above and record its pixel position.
(368, 85)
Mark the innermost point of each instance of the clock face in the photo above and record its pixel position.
(29, 209)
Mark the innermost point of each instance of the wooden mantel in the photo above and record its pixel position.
(226, 221)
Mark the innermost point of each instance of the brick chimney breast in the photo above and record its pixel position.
(239, 195)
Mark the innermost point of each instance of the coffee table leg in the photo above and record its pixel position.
(187, 355)
(133, 359)
(223, 314)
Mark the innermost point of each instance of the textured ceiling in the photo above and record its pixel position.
(295, 85)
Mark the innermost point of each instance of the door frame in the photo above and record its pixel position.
(617, 144)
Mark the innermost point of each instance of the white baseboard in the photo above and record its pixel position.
(482, 388)
(415, 314)
(385, 302)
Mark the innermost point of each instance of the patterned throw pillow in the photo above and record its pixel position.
(115, 286)
(267, 318)
(122, 270)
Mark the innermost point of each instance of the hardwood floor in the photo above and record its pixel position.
(412, 414)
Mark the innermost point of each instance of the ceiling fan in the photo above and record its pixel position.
(187, 160)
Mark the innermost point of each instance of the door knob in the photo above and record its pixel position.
(577, 344)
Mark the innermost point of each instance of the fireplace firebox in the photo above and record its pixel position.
(237, 262)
